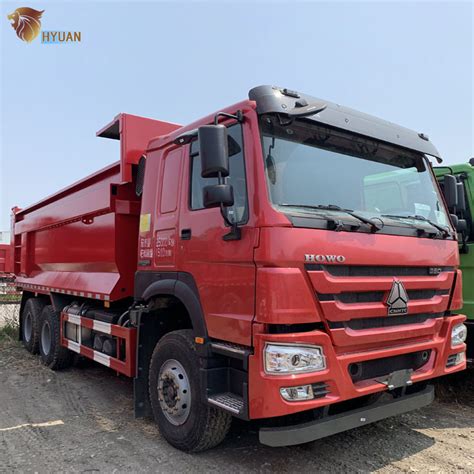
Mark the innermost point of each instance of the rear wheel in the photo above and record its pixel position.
(30, 318)
(185, 421)
(53, 355)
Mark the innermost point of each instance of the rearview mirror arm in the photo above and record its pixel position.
(239, 116)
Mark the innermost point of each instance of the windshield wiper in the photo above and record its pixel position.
(332, 207)
(444, 230)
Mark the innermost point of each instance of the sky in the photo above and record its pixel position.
(410, 63)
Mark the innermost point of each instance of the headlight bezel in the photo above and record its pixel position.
(462, 340)
(295, 346)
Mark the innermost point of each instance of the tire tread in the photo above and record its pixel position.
(35, 305)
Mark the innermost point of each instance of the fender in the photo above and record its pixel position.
(178, 284)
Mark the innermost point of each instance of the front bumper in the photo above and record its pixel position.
(265, 400)
(330, 425)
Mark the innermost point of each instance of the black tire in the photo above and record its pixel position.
(205, 426)
(53, 355)
(29, 324)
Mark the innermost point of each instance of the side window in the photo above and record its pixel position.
(169, 190)
(239, 211)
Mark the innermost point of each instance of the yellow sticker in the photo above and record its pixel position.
(145, 220)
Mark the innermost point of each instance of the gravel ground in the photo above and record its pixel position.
(82, 420)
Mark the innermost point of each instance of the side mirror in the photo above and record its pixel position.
(214, 151)
(461, 197)
(459, 224)
(217, 195)
(450, 191)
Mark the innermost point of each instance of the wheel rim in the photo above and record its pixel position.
(28, 327)
(46, 338)
(174, 392)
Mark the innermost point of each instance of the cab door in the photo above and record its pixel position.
(224, 270)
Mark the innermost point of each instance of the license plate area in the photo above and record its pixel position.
(397, 379)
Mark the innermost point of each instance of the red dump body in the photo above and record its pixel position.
(6, 265)
(83, 239)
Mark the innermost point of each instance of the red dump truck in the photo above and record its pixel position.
(285, 259)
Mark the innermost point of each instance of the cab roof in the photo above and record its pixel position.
(273, 99)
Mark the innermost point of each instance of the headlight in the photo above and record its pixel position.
(289, 359)
(458, 335)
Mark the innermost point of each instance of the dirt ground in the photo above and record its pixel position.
(8, 312)
(82, 420)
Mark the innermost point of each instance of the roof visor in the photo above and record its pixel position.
(271, 99)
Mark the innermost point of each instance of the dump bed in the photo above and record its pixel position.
(83, 239)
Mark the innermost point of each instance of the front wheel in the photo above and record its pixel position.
(185, 421)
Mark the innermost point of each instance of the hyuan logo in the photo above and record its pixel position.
(26, 22)
(397, 300)
(311, 258)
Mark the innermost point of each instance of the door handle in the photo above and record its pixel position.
(185, 234)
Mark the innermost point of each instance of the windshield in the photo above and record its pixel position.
(310, 165)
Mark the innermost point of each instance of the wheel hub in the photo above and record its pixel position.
(46, 338)
(28, 327)
(174, 392)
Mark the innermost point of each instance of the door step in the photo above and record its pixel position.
(228, 401)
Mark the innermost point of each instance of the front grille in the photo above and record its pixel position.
(368, 271)
(354, 297)
(384, 321)
(371, 369)
(377, 296)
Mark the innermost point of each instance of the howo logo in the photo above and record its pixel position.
(397, 300)
(312, 258)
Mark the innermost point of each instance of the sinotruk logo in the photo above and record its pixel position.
(26, 22)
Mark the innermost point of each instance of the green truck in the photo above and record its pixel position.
(460, 177)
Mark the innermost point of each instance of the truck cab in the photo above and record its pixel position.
(318, 243)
